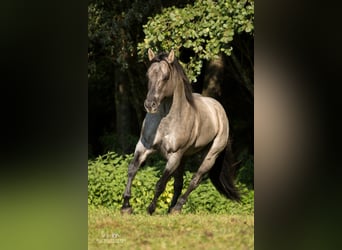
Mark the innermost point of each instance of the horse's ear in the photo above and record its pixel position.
(171, 56)
(150, 54)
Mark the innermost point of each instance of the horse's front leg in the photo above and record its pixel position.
(171, 165)
(140, 156)
(177, 185)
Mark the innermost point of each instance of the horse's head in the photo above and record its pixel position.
(160, 83)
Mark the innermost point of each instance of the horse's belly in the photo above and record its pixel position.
(193, 150)
(200, 143)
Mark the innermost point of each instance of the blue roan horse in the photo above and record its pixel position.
(179, 123)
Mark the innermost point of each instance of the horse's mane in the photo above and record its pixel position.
(180, 71)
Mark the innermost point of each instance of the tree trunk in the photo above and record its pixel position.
(245, 80)
(123, 109)
(138, 85)
(213, 77)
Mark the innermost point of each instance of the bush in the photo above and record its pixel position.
(207, 28)
(107, 176)
(246, 172)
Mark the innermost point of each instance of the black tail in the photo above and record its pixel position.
(222, 174)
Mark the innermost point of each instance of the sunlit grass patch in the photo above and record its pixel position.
(108, 229)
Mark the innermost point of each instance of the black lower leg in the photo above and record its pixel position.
(127, 193)
(177, 187)
(126, 203)
(132, 170)
(181, 201)
(160, 187)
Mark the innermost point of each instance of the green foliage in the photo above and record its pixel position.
(105, 179)
(107, 176)
(207, 27)
(246, 172)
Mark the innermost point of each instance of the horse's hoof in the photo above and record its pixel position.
(126, 210)
(174, 211)
(151, 209)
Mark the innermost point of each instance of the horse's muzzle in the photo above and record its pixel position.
(151, 106)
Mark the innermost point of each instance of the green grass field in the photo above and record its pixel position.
(108, 229)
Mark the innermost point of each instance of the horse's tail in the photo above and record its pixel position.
(222, 174)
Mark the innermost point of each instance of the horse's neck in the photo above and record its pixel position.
(179, 103)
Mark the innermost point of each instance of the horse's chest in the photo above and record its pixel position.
(165, 134)
(170, 138)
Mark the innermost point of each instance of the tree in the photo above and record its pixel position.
(207, 28)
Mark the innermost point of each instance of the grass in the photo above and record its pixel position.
(108, 229)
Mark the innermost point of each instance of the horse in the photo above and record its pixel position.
(179, 123)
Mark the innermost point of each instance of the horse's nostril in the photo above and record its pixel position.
(150, 104)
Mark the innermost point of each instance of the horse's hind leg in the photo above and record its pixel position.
(206, 165)
(140, 155)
